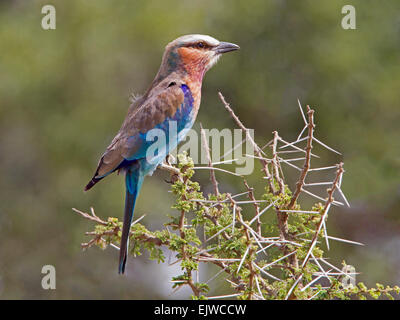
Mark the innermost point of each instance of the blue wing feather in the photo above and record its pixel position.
(137, 166)
(183, 120)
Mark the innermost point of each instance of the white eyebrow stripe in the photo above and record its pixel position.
(198, 37)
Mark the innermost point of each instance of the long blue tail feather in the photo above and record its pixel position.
(133, 182)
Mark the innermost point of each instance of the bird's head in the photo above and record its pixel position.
(194, 54)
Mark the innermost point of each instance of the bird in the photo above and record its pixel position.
(171, 102)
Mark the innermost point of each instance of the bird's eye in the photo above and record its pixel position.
(201, 45)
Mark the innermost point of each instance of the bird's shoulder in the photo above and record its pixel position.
(159, 103)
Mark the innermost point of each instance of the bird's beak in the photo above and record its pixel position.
(224, 47)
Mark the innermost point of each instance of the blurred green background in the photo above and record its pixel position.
(64, 94)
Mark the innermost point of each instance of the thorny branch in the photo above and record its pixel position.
(306, 166)
(260, 279)
(256, 148)
(207, 151)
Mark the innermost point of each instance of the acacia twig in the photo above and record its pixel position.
(256, 206)
(306, 167)
(325, 211)
(210, 164)
(256, 148)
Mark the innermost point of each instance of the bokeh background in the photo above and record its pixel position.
(64, 94)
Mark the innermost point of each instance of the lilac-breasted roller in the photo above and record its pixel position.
(171, 102)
